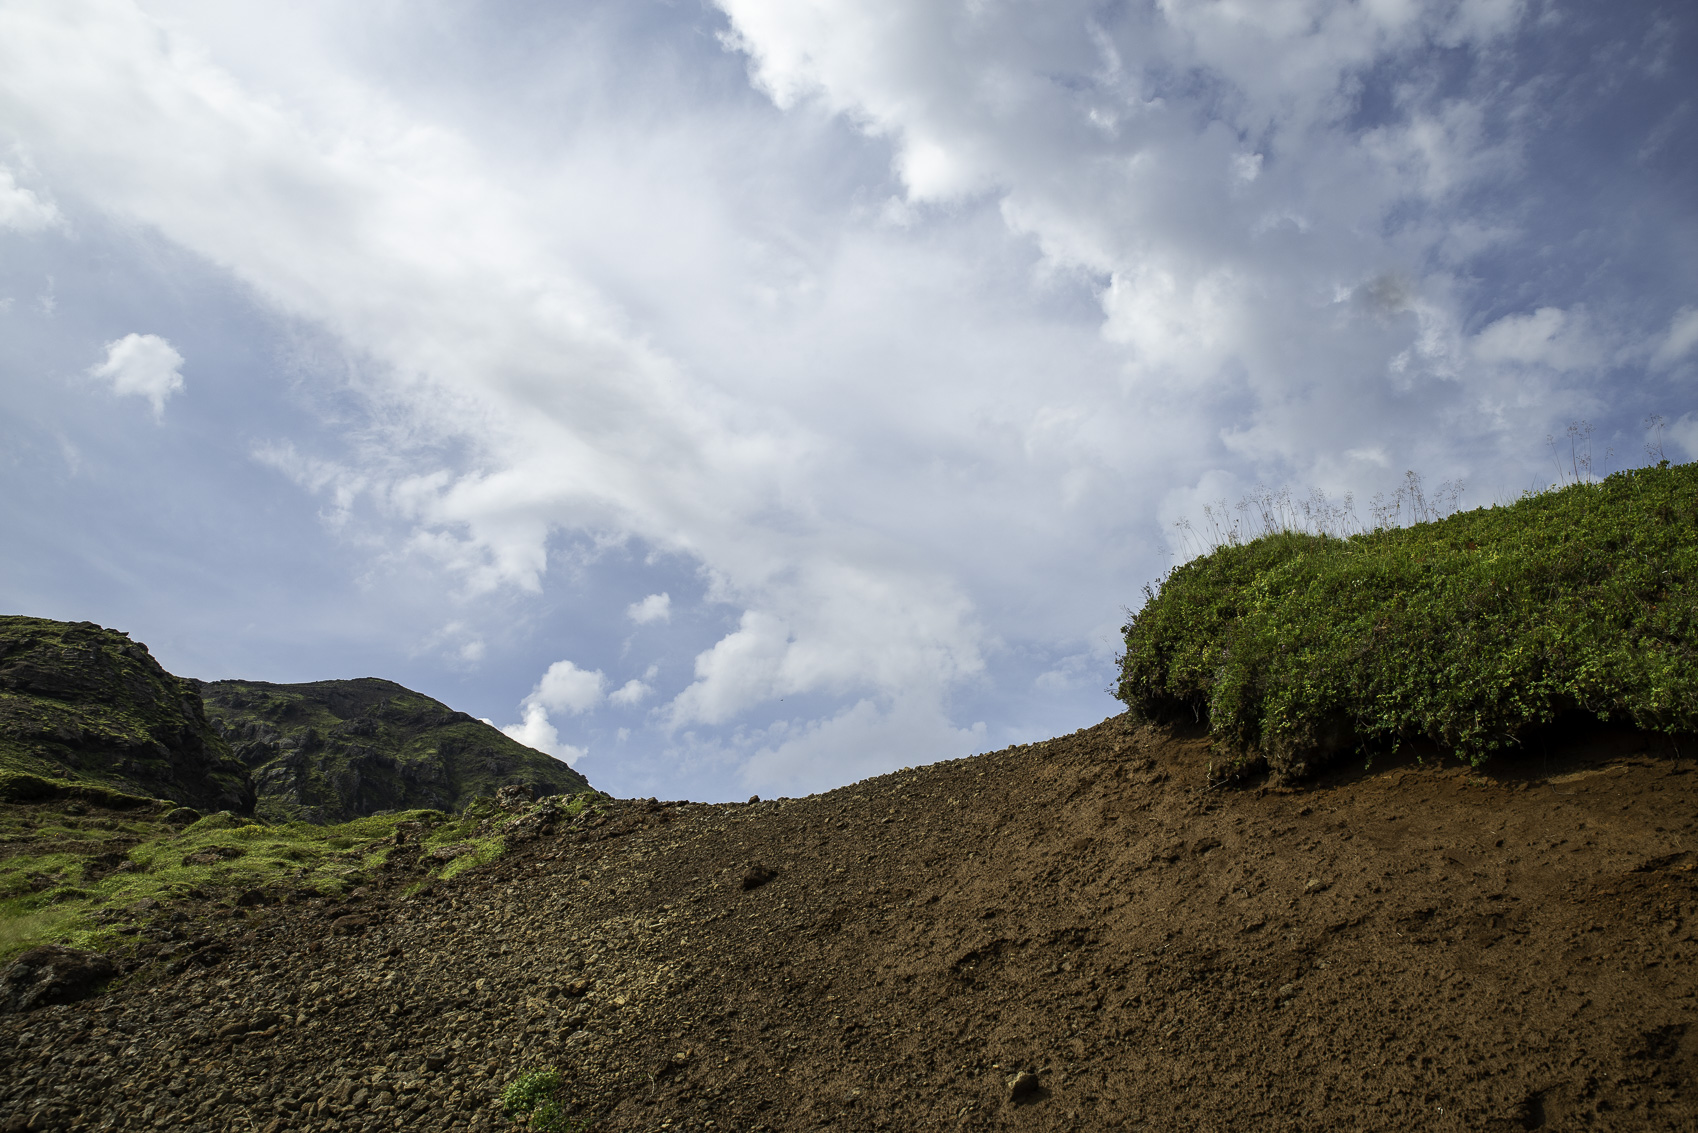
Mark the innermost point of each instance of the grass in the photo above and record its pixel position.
(1471, 630)
(72, 870)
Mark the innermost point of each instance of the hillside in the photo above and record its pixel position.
(84, 702)
(1407, 947)
(328, 751)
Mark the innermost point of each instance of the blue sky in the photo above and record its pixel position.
(886, 340)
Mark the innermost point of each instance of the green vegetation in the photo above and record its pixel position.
(328, 751)
(1470, 631)
(80, 701)
(540, 1098)
(80, 873)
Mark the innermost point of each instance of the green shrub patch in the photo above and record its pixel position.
(1469, 631)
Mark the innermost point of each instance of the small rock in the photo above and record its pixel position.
(350, 924)
(754, 799)
(51, 973)
(182, 816)
(1023, 1087)
(1315, 885)
(757, 875)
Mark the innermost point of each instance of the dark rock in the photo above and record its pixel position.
(1024, 1087)
(181, 816)
(95, 702)
(350, 924)
(51, 973)
(757, 875)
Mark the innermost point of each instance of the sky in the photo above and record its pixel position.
(753, 396)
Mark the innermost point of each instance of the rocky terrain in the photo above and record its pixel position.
(79, 701)
(1078, 934)
(328, 751)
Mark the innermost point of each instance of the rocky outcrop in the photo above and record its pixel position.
(82, 702)
(328, 751)
(50, 974)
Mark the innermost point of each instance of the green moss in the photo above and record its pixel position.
(1471, 631)
(52, 893)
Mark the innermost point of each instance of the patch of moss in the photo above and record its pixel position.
(71, 876)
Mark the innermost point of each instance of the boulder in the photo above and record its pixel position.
(52, 973)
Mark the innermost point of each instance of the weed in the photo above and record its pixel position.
(540, 1099)
(1265, 512)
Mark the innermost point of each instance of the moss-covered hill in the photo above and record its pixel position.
(1470, 632)
(329, 751)
(84, 702)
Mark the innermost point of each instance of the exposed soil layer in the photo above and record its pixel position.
(1401, 948)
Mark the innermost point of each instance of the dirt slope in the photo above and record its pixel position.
(1401, 949)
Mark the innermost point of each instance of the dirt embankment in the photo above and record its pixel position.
(1405, 948)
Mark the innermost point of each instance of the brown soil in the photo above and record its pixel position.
(1406, 948)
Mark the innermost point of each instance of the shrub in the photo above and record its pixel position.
(1469, 631)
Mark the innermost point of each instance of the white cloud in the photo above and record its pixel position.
(22, 210)
(1681, 338)
(567, 688)
(630, 694)
(537, 732)
(1547, 337)
(142, 365)
(654, 608)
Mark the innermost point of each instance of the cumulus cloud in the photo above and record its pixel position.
(21, 209)
(142, 365)
(567, 688)
(654, 608)
(630, 694)
(535, 731)
(1209, 253)
(564, 688)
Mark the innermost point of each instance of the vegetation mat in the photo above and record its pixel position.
(1472, 632)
